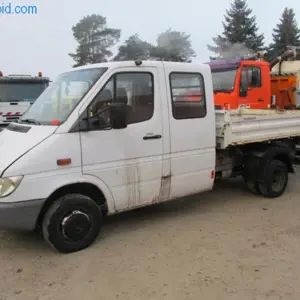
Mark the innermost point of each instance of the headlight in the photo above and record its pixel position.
(8, 185)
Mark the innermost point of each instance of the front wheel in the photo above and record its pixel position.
(72, 223)
(275, 181)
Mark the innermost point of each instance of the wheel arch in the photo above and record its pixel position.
(89, 189)
(256, 161)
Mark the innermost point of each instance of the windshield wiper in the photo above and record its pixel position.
(30, 121)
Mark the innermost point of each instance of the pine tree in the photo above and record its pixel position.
(240, 32)
(286, 33)
(94, 40)
(133, 48)
(173, 46)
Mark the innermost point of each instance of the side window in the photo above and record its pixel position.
(188, 95)
(100, 105)
(244, 80)
(250, 77)
(136, 90)
(255, 77)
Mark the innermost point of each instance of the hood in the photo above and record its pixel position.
(17, 139)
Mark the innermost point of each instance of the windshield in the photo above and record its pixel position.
(57, 102)
(17, 92)
(223, 80)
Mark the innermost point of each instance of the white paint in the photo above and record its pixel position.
(243, 126)
(16, 107)
(129, 170)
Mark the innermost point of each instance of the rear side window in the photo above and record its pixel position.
(188, 95)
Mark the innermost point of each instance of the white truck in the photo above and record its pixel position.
(17, 93)
(125, 141)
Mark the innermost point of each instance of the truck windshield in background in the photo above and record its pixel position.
(57, 102)
(17, 91)
(223, 79)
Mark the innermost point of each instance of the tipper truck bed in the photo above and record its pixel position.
(246, 126)
(130, 137)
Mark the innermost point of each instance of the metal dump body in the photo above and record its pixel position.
(245, 126)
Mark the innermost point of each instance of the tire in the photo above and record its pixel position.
(275, 181)
(251, 185)
(72, 223)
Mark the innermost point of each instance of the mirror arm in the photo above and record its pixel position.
(97, 114)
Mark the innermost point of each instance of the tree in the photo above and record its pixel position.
(173, 46)
(240, 32)
(134, 48)
(95, 40)
(286, 33)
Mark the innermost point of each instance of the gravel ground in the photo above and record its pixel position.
(226, 244)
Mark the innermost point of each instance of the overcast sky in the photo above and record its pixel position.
(33, 43)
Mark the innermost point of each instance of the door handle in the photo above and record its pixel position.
(260, 100)
(152, 137)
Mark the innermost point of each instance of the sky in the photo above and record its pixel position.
(33, 43)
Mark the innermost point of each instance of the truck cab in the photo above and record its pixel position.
(129, 138)
(239, 82)
(17, 93)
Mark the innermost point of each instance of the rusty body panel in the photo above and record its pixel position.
(283, 89)
(165, 189)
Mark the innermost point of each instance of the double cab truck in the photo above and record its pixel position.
(17, 93)
(127, 139)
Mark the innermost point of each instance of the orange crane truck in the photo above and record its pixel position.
(250, 83)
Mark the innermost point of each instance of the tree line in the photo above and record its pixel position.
(240, 36)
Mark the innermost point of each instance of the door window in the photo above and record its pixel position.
(188, 96)
(135, 89)
(250, 78)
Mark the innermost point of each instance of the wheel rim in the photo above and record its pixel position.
(76, 226)
(278, 180)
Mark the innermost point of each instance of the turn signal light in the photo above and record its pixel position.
(63, 161)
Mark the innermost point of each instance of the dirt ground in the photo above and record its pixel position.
(226, 244)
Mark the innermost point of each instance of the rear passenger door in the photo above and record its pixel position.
(192, 128)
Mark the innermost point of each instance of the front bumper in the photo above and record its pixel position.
(20, 215)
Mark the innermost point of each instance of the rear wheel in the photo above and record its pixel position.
(252, 186)
(72, 223)
(275, 181)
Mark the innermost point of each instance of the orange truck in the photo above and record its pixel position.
(250, 83)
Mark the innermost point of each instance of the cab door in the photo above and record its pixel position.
(129, 160)
(252, 89)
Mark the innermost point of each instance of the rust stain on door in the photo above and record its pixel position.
(165, 187)
(132, 182)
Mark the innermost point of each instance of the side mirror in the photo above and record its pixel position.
(118, 115)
